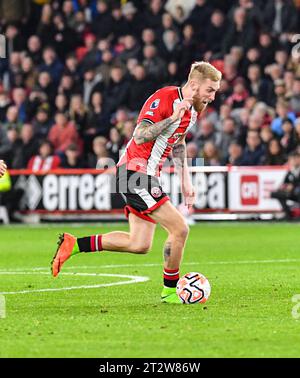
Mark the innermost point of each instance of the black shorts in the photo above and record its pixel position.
(142, 193)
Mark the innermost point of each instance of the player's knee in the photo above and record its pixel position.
(141, 248)
(182, 231)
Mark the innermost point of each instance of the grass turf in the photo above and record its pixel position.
(253, 269)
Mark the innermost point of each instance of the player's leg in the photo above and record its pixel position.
(171, 219)
(138, 240)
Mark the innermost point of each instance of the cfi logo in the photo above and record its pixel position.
(155, 192)
(155, 104)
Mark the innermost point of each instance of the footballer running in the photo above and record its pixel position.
(162, 125)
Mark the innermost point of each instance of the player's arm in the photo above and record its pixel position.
(146, 132)
(181, 167)
(3, 168)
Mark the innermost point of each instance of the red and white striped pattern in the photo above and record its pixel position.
(149, 157)
(96, 243)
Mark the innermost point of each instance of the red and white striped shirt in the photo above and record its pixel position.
(149, 157)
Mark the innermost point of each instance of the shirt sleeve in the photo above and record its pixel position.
(159, 106)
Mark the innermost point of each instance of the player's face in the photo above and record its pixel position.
(204, 93)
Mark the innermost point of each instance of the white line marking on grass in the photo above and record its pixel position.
(187, 263)
(132, 279)
(39, 269)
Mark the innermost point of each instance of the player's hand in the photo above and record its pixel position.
(181, 108)
(3, 168)
(189, 196)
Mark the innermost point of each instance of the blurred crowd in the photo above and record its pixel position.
(77, 73)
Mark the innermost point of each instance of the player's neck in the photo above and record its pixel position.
(186, 91)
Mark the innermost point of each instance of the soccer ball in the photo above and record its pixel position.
(193, 288)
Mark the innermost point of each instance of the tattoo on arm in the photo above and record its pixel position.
(167, 251)
(146, 132)
(179, 154)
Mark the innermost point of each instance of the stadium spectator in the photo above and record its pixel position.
(45, 160)
(15, 10)
(28, 72)
(132, 49)
(274, 153)
(98, 122)
(228, 132)
(62, 133)
(254, 150)
(61, 103)
(257, 85)
(295, 97)
(45, 29)
(65, 41)
(154, 65)
(78, 113)
(215, 32)
(98, 158)
(101, 24)
(241, 32)
(117, 91)
(114, 144)
(239, 95)
(51, 64)
(199, 17)
(189, 49)
(205, 133)
(34, 49)
(148, 37)
(14, 39)
(46, 85)
(4, 105)
(211, 154)
(92, 83)
(174, 74)
(266, 135)
(280, 17)
(42, 122)
(72, 159)
(140, 88)
(12, 118)
(282, 110)
(28, 147)
(287, 140)
(67, 85)
(234, 154)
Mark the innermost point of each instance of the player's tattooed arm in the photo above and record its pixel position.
(179, 155)
(145, 132)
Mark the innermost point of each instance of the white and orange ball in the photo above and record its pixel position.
(193, 288)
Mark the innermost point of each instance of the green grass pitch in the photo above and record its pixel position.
(253, 269)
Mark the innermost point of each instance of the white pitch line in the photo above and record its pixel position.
(229, 262)
(133, 279)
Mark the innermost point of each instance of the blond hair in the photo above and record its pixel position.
(204, 70)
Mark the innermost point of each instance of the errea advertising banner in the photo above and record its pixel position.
(249, 188)
(219, 190)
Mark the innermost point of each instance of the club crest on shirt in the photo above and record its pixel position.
(155, 104)
(155, 192)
